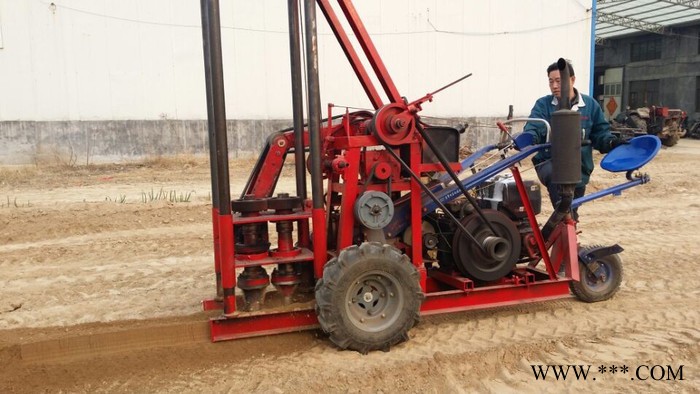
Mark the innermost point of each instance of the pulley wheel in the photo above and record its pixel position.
(393, 125)
(374, 209)
(500, 251)
(381, 171)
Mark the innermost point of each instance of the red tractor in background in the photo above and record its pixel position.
(666, 123)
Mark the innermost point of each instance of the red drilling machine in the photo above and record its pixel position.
(397, 226)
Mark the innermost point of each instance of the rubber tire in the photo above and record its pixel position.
(340, 276)
(694, 131)
(637, 122)
(585, 292)
(671, 140)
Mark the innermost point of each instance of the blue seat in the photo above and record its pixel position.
(629, 157)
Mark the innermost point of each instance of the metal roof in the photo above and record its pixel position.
(624, 17)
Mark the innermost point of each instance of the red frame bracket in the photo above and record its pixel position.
(224, 328)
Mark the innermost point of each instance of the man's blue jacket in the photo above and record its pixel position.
(593, 124)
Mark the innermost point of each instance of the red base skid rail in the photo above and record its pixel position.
(226, 328)
(494, 296)
(245, 325)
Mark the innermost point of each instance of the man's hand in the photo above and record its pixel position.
(617, 141)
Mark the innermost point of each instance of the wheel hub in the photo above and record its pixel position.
(596, 274)
(372, 304)
(368, 297)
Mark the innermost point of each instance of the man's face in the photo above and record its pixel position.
(555, 84)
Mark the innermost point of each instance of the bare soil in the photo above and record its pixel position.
(101, 283)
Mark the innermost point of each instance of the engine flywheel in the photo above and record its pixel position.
(500, 251)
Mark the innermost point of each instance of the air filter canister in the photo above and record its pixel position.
(566, 147)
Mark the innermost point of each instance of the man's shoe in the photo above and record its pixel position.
(562, 271)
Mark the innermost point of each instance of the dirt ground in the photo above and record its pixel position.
(102, 271)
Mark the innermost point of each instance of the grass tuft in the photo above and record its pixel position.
(10, 203)
(121, 199)
(163, 195)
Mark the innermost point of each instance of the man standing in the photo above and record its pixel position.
(594, 128)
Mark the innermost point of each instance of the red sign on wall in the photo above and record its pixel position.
(611, 106)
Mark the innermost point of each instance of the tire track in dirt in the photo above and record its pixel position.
(498, 343)
(86, 239)
(650, 342)
(166, 287)
(470, 336)
(79, 287)
(60, 221)
(64, 256)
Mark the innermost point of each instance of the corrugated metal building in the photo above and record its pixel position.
(648, 53)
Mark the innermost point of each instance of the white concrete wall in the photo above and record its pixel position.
(142, 59)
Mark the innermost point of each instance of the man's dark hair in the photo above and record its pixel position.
(554, 66)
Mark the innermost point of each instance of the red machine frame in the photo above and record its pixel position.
(343, 148)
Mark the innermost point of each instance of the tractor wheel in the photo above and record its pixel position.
(637, 122)
(369, 297)
(600, 279)
(671, 140)
(694, 131)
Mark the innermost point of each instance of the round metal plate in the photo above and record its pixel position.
(374, 209)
